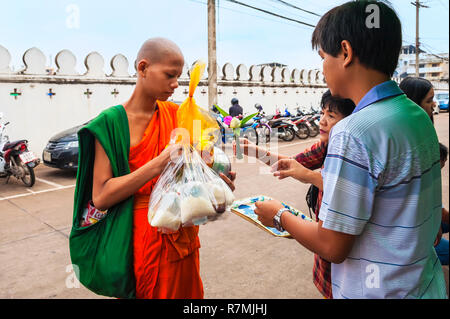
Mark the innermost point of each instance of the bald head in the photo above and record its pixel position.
(156, 50)
(159, 64)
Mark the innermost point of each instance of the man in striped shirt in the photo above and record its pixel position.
(381, 206)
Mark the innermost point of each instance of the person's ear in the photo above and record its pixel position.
(347, 51)
(142, 67)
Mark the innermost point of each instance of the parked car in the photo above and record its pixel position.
(62, 149)
(442, 101)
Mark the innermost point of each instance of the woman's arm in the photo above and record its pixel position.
(291, 168)
(268, 157)
(108, 190)
(312, 177)
(252, 150)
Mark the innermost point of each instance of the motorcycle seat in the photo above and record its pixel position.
(10, 145)
(275, 121)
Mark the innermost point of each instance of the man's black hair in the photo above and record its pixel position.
(335, 104)
(444, 152)
(376, 46)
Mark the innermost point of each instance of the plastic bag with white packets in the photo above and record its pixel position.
(188, 192)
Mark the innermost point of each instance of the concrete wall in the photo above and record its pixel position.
(36, 115)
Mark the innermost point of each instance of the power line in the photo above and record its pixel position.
(429, 51)
(295, 7)
(252, 15)
(315, 3)
(436, 55)
(271, 13)
(287, 11)
(265, 18)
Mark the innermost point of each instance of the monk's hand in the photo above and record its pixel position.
(266, 210)
(229, 179)
(170, 153)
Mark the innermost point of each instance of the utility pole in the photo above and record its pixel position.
(418, 5)
(212, 57)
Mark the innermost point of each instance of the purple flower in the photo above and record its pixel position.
(227, 120)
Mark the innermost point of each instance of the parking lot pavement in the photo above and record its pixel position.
(238, 260)
(34, 229)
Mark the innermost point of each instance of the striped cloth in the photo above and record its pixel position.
(382, 183)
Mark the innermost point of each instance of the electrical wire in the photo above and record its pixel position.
(271, 13)
(295, 7)
(286, 11)
(428, 48)
(254, 15)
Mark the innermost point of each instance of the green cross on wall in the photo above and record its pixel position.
(15, 93)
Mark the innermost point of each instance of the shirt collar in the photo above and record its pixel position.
(379, 92)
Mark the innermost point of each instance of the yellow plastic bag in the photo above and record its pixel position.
(202, 127)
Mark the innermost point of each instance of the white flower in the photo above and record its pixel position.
(235, 123)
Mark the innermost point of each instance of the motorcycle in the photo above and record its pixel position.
(314, 120)
(277, 114)
(15, 158)
(287, 113)
(311, 120)
(303, 127)
(261, 126)
(284, 128)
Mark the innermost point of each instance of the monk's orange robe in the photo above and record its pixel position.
(165, 265)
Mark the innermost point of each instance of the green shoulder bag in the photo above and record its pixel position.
(102, 253)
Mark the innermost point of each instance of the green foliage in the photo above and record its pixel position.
(222, 112)
(247, 118)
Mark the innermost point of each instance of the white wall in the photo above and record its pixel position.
(35, 116)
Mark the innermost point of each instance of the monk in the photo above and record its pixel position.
(166, 264)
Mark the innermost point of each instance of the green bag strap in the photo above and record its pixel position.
(113, 134)
(111, 129)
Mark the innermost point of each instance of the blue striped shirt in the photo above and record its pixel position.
(382, 183)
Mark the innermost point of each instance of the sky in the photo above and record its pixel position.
(243, 34)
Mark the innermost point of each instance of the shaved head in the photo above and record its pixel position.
(155, 50)
(159, 64)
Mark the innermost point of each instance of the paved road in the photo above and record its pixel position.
(238, 260)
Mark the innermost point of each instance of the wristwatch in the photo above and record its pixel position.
(277, 219)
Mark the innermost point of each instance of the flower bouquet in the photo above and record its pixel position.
(236, 125)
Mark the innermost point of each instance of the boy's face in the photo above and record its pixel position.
(161, 79)
(332, 72)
